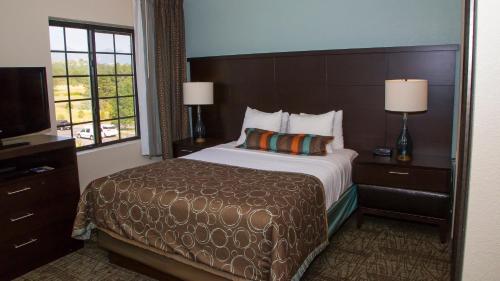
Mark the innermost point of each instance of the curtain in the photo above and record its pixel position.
(170, 72)
(146, 77)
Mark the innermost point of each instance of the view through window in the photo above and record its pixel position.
(93, 83)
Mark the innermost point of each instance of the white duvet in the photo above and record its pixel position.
(333, 170)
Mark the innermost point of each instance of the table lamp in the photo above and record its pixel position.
(406, 96)
(198, 93)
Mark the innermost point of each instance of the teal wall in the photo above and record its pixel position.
(226, 27)
(222, 27)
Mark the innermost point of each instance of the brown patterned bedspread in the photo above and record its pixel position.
(254, 224)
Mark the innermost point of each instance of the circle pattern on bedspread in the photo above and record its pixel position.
(254, 224)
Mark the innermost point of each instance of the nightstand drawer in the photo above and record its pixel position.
(183, 151)
(408, 178)
(382, 175)
(432, 180)
(187, 146)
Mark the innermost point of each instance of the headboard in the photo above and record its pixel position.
(319, 81)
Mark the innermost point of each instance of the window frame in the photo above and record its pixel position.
(96, 122)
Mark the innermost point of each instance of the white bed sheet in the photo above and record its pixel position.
(334, 170)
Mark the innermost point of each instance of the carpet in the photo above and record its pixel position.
(382, 250)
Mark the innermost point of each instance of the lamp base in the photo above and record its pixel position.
(199, 129)
(404, 158)
(404, 144)
(200, 140)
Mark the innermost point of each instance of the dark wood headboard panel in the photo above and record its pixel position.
(319, 81)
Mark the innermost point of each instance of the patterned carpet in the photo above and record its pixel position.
(381, 250)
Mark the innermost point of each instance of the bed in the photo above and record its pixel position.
(230, 213)
(313, 82)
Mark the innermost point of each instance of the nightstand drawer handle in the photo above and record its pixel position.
(187, 150)
(33, 240)
(398, 173)
(18, 191)
(22, 217)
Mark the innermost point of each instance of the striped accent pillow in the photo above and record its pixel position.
(303, 144)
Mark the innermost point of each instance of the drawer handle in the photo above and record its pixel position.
(398, 173)
(18, 191)
(187, 150)
(33, 240)
(22, 217)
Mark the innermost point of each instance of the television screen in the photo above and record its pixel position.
(23, 101)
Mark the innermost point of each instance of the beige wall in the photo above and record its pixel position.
(24, 35)
(104, 161)
(482, 240)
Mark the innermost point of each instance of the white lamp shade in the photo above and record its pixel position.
(406, 95)
(198, 93)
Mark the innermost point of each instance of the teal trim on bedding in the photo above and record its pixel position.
(309, 259)
(84, 233)
(342, 209)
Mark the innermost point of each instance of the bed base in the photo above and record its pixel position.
(151, 264)
(138, 267)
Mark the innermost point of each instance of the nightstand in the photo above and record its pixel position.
(187, 146)
(418, 190)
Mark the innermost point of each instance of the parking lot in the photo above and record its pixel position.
(83, 140)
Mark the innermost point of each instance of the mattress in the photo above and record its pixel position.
(334, 170)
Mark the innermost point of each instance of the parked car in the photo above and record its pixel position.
(86, 133)
(63, 125)
(107, 131)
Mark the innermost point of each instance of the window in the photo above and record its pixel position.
(94, 83)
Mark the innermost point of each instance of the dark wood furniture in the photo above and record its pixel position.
(319, 81)
(187, 146)
(418, 190)
(37, 210)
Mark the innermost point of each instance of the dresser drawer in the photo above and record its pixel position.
(36, 217)
(409, 178)
(42, 189)
(28, 251)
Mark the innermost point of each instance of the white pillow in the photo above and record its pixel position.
(284, 122)
(312, 124)
(337, 131)
(260, 120)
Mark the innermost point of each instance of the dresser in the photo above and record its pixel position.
(189, 145)
(418, 190)
(37, 209)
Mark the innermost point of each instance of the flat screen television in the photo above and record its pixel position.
(24, 106)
